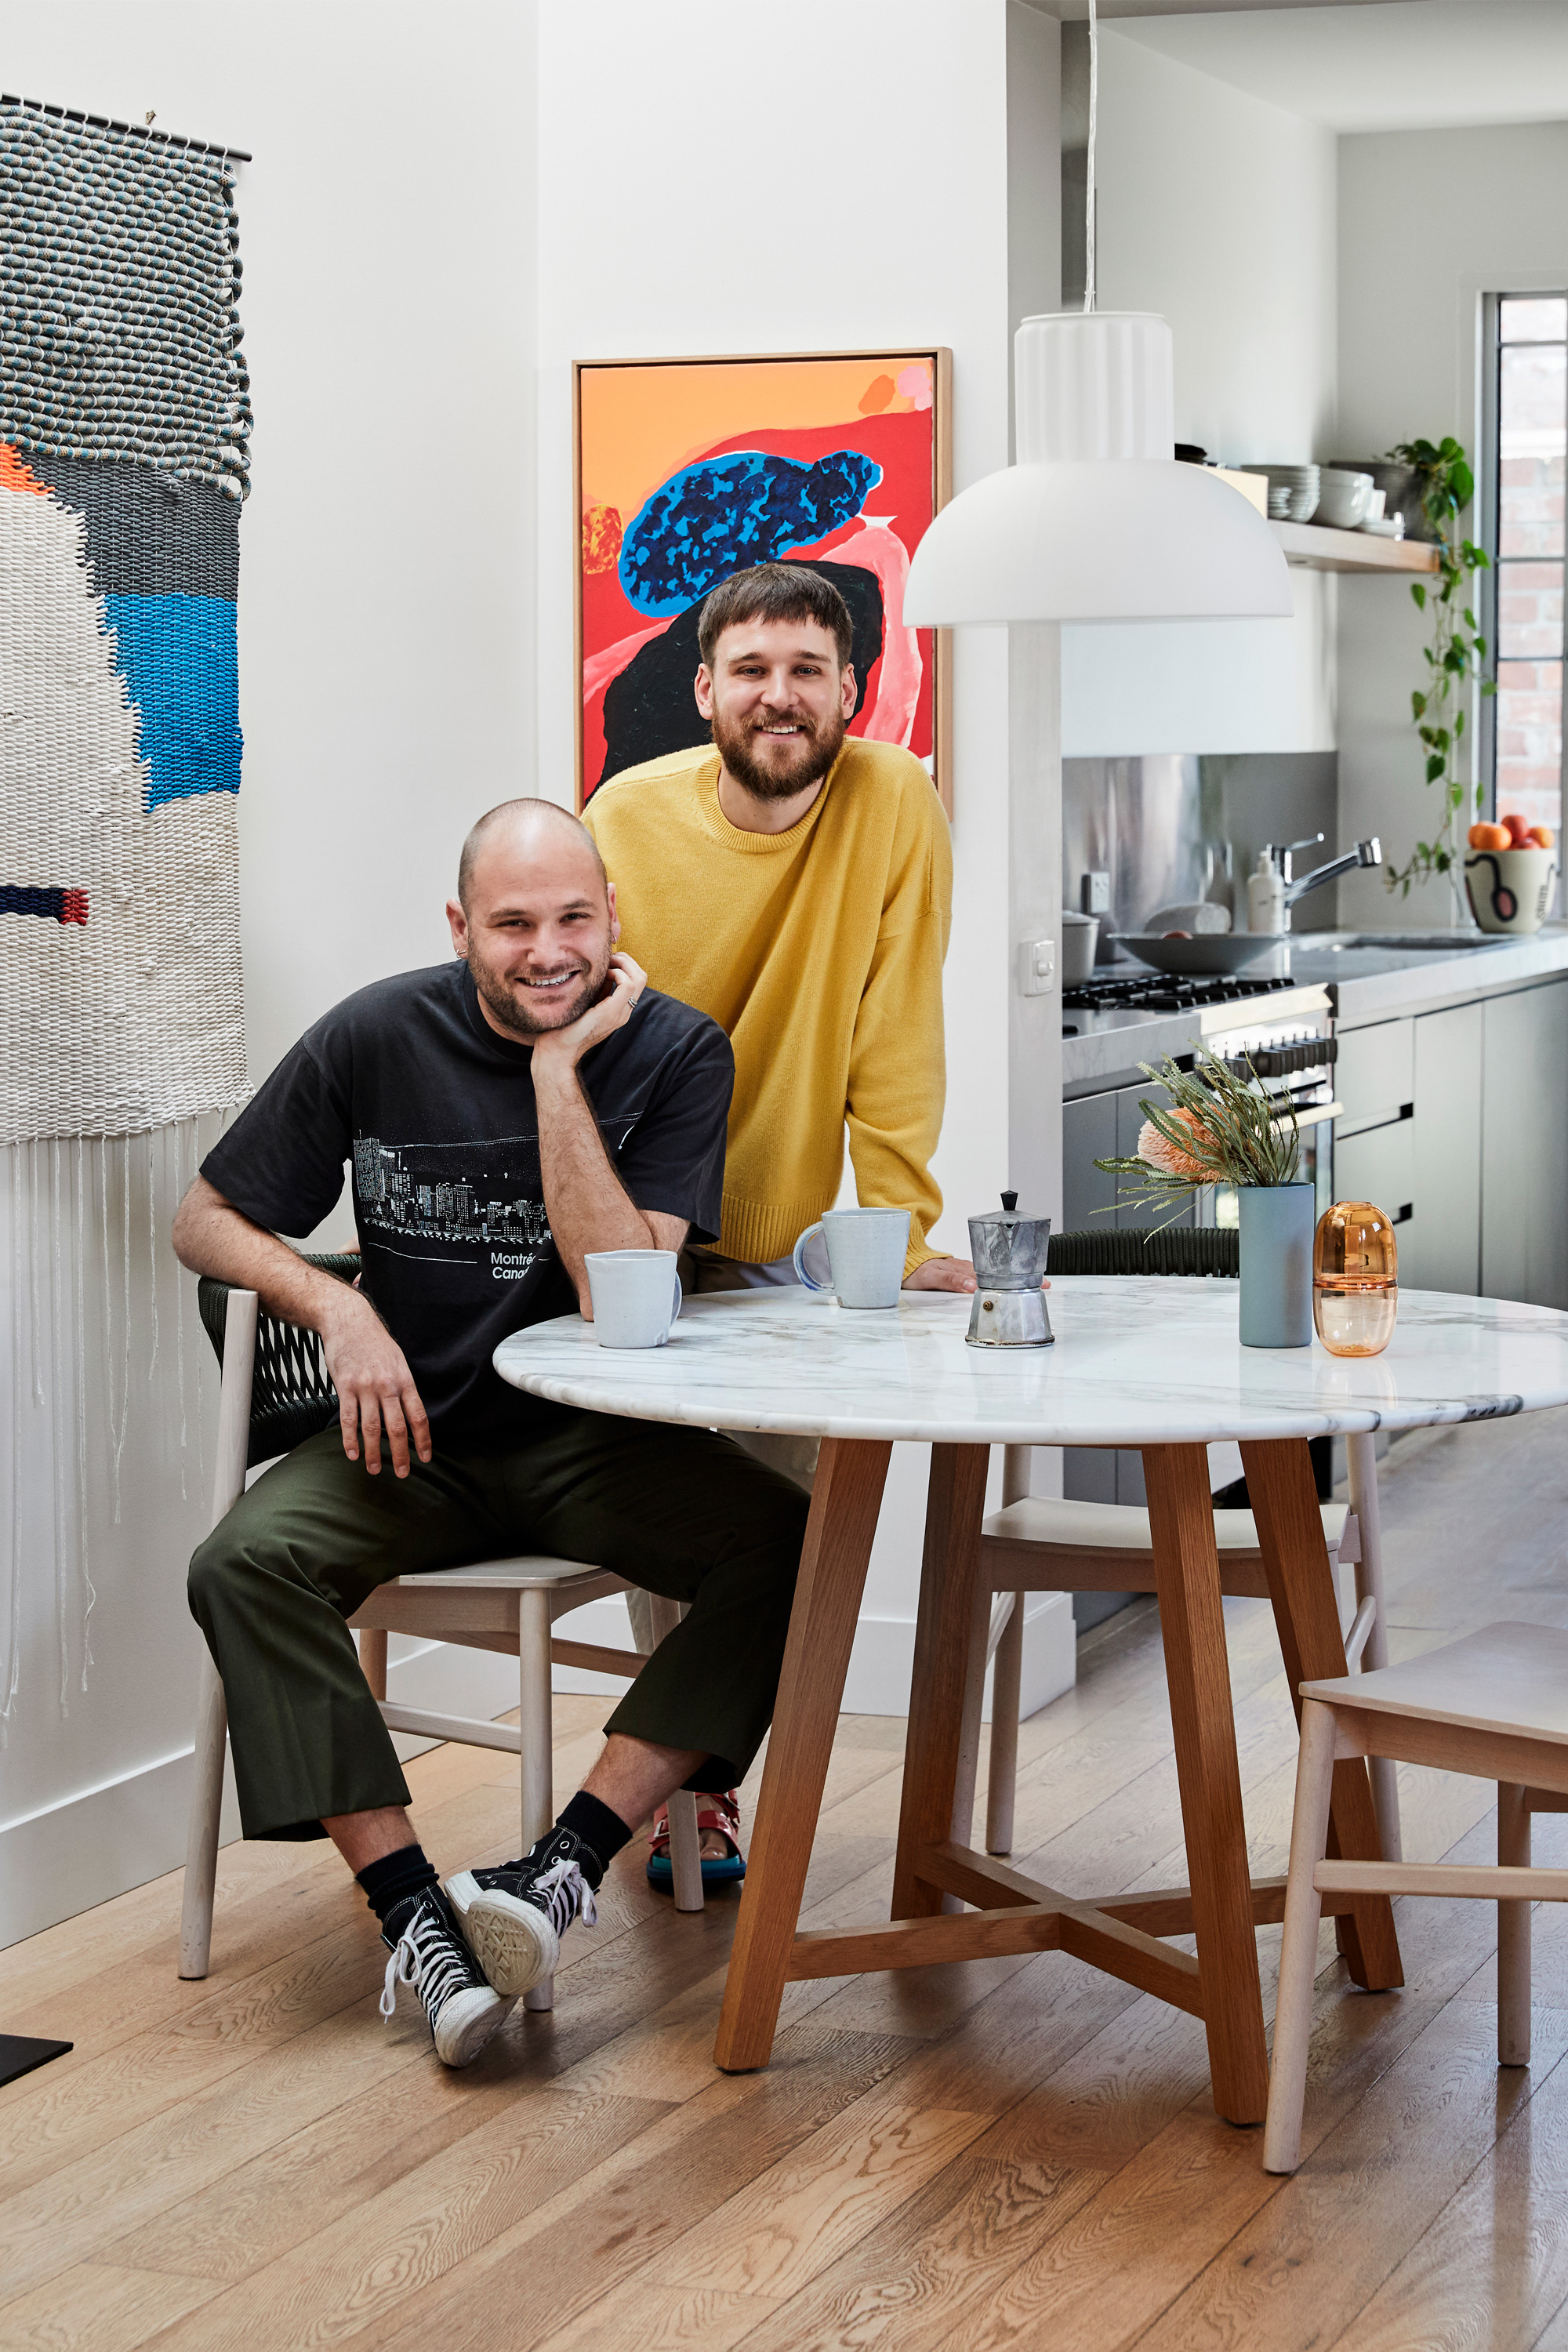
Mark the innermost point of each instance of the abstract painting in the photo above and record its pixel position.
(689, 470)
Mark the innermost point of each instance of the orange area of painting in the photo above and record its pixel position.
(877, 395)
(601, 538)
(14, 476)
(639, 423)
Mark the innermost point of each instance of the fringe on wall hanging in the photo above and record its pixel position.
(124, 424)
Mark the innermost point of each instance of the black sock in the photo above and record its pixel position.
(601, 1831)
(397, 1876)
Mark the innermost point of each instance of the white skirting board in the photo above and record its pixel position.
(882, 1661)
(102, 1841)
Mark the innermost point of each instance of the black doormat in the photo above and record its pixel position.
(20, 2052)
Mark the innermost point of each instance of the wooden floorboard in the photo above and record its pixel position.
(1013, 2152)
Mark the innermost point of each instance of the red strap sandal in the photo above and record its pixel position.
(716, 1809)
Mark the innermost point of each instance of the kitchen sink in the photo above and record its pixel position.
(1424, 942)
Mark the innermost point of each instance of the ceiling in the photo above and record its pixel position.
(1381, 65)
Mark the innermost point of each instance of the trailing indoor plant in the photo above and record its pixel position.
(1455, 659)
(1222, 1126)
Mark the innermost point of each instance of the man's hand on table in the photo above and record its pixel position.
(945, 1273)
(376, 1395)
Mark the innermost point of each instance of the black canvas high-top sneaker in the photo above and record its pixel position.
(515, 1916)
(428, 1953)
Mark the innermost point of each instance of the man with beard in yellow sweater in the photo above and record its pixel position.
(797, 886)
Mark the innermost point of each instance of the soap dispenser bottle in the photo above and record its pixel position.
(1265, 897)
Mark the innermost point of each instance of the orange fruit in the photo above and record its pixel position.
(1542, 835)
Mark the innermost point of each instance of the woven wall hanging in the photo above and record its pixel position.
(124, 420)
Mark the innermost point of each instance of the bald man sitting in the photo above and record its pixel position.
(503, 1114)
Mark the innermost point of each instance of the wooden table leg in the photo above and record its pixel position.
(955, 1506)
(1284, 1499)
(1192, 1624)
(847, 1495)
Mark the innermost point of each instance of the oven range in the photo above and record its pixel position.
(1115, 1022)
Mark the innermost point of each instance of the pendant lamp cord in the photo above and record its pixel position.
(1093, 126)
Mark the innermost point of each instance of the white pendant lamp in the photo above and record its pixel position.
(1095, 521)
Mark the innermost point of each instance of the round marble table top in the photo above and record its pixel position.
(1139, 1360)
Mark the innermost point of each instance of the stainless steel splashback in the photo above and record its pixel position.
(1139, 821)
(1162, 828)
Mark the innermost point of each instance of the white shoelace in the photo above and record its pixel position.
(419, 1949)
(567, 1896)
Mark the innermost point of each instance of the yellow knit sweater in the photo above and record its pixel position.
(819, 950)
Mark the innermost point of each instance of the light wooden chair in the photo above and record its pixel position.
(1034, 1544)
(1494, 1704)
(275, 1393)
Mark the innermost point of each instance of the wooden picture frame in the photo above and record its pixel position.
(650, 421)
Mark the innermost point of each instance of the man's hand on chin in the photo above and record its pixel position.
(945, 1273)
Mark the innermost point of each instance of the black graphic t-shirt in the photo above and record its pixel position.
(408, 1081)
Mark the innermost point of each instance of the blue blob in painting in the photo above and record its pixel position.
(179, 660)
(722, 514)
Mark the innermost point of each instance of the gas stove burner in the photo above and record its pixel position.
(1157, 992)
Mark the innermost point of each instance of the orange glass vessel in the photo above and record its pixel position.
(1355, 1279)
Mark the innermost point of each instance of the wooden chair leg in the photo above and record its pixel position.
(373, 1658)
(201, 1846)
(1361, 1455)
(1307, 1618)
(1299, 1955)
(534, 1723)
(1007, 1689)
(1512, 1931)
(962, 1831)
(685, 1839)
(212, 1712)
(1007, 1683)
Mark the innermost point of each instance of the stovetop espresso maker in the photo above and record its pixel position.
(1009, 1253)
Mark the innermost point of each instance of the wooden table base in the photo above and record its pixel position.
(1120, 1934)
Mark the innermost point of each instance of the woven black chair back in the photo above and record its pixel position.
(290, 1395)
(1143, 1249)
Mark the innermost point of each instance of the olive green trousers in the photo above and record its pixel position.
(682, 1512)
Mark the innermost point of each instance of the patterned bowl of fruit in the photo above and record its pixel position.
(1510, 870)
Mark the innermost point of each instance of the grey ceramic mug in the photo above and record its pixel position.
(636, 1295)
(866, 1253)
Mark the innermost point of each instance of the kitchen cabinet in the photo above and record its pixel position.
(1105, 1126)
(1374, 1076)
(1523, 1107)
(1441, 1249)
(1379, 1165)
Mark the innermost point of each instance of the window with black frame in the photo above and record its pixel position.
(1528, 417)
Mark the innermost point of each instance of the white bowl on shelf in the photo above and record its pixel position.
(1344, 500)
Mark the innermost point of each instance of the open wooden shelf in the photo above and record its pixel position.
(1314, 548)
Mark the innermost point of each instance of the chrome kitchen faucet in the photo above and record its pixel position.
(1365, 853)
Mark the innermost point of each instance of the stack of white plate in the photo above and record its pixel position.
(1292, 491)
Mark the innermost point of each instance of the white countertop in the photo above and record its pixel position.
(1138, 1361)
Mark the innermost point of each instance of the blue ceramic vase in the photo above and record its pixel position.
(1278, 1221)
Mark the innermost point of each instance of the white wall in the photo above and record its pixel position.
(1429, 222)
(1217, 210)
(385, 630)
(895, 231)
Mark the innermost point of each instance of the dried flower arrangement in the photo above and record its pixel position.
(1221, 1128)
